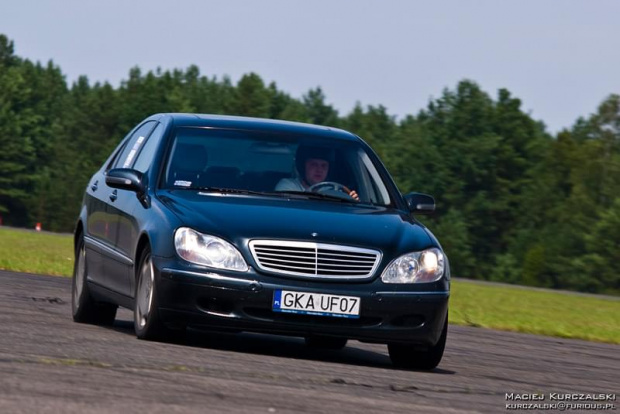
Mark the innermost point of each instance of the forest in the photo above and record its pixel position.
(515, 203)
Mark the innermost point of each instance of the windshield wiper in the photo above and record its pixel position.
(317, 196)
(301, 194)
(223, 190)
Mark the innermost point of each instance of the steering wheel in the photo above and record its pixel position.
(328, 185)
(334, 189)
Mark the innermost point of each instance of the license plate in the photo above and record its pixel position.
(316, 304)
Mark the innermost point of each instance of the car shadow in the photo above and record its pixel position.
(277, 346)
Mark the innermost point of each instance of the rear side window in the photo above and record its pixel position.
(128, 155)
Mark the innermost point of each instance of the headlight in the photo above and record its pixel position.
(418, 267)
(208, 250)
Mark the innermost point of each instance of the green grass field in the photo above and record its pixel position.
(520, 309)
(501, 307)
(33, 252)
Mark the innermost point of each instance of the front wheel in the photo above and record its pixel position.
(147, 322)
(406, 356)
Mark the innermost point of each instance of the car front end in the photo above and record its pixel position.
(317, 278)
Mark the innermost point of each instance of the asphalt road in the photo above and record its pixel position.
(49, 364)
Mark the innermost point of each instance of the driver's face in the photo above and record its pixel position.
(316, 170)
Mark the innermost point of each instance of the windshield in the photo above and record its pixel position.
(273, 163)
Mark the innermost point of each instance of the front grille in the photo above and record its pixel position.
(309, 259)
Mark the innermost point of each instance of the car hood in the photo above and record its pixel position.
(240, 218)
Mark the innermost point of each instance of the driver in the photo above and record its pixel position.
(313, 166)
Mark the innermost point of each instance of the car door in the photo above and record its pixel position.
(97, 237)
(99, 234)
(131, 209)
(118, 262)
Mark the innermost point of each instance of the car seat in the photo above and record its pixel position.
(219, 176)
(188, 165)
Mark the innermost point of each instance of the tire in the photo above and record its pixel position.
(408, 357)
(147, 322)
(325, 342)
(84, 308)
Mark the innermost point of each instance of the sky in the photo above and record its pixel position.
(560, 57)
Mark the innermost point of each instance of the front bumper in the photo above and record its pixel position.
(231, 301)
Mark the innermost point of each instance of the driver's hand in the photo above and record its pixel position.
(353, 194)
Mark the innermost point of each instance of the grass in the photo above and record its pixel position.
(519, 309)
(502, 307)
(34, 252)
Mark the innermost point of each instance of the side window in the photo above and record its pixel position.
(127, 156)
(114, 157)
(143, 162)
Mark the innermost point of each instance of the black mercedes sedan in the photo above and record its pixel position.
(246, 224)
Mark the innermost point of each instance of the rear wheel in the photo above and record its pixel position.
(147, 323)
(407, 356)
(84, 308)
(325, 342)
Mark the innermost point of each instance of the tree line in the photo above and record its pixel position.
(515, 203)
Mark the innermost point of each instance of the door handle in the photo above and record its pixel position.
(113, 196)
(95, 186)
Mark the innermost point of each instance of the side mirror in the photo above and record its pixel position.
(126, 179)
(420, 203)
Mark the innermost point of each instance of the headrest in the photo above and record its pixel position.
(219, 170)
(189, 157)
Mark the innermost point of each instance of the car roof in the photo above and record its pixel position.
(262, 124)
